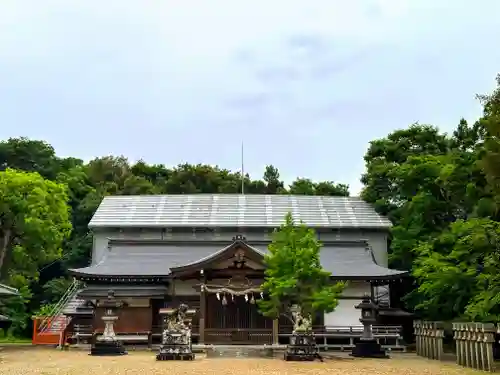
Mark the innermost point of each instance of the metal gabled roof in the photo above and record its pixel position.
(6, 290)
(233, 210)
(344, 261)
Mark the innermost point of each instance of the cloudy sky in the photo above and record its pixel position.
(305, 84)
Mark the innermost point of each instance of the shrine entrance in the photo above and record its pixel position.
(234, 318)
(229, 287)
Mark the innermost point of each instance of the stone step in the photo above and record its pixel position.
(239, 352)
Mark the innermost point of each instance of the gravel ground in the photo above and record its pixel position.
(52, 362)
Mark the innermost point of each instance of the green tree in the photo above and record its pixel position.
(490, 162)
(30, 156)
(386, 154)
(34, 223)
(302, 186)
(457, 272)
(294, 275)
(272, 180)
(331, 189)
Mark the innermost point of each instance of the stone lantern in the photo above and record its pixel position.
(367, 346)
(108, 343)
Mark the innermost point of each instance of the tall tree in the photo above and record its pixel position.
(385, 154)
(490, 122)
(272, 180)
(294, 275)
(34, 223)
(30, 156)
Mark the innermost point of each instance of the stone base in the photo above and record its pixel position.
(105, 348)
(175, 356)
(172, 352)
(368, 349)
(300, 357)
(302, 353)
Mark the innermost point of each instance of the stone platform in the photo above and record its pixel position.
(175, 357)
(107, 348)
(244, 351)
(368, 349)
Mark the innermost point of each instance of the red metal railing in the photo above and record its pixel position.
(51, 332)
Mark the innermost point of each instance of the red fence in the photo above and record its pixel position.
(49, 330)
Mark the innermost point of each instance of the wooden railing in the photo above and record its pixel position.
(345, 337)
(329, 337)
(344, 331)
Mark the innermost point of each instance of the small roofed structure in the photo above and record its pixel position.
(6, 291)
(207, 251)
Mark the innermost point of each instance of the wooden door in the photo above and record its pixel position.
(237, 322)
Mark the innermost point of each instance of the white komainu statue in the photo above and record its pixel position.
(301, 324)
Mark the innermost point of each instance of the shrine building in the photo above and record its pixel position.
(207, 250)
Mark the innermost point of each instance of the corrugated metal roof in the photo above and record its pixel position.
(233, 210)
(6, 290)
(4, 318)
(342, 261)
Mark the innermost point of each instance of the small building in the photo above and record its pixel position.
(207, 250)
(6, 291)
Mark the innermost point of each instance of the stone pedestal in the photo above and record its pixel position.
(368, 349)
(302, 348)
(175, 347)
(111, 348)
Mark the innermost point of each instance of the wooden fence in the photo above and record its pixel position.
(429, 339)
(473, 343)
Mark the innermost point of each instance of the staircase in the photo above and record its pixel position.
(241, 351)
(49, 330)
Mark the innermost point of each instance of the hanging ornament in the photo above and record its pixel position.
(232, 297)
(218, 296)
(261, 295)
(224, 300)
(246, 297)
(252, 300)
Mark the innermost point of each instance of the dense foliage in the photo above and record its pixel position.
(441, 191)
(43, 196)
(294, 275)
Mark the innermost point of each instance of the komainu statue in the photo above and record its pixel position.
(302, 342)
(176, 337)
(301, 324)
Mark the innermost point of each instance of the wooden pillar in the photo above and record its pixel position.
(275, 331)
(203, 309)
(172, 291)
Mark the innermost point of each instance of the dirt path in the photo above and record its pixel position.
(52, 362)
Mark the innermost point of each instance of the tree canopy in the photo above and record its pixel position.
(34, 225)
(294, 275)
(442, 193)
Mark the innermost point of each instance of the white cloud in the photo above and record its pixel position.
(307, 84)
